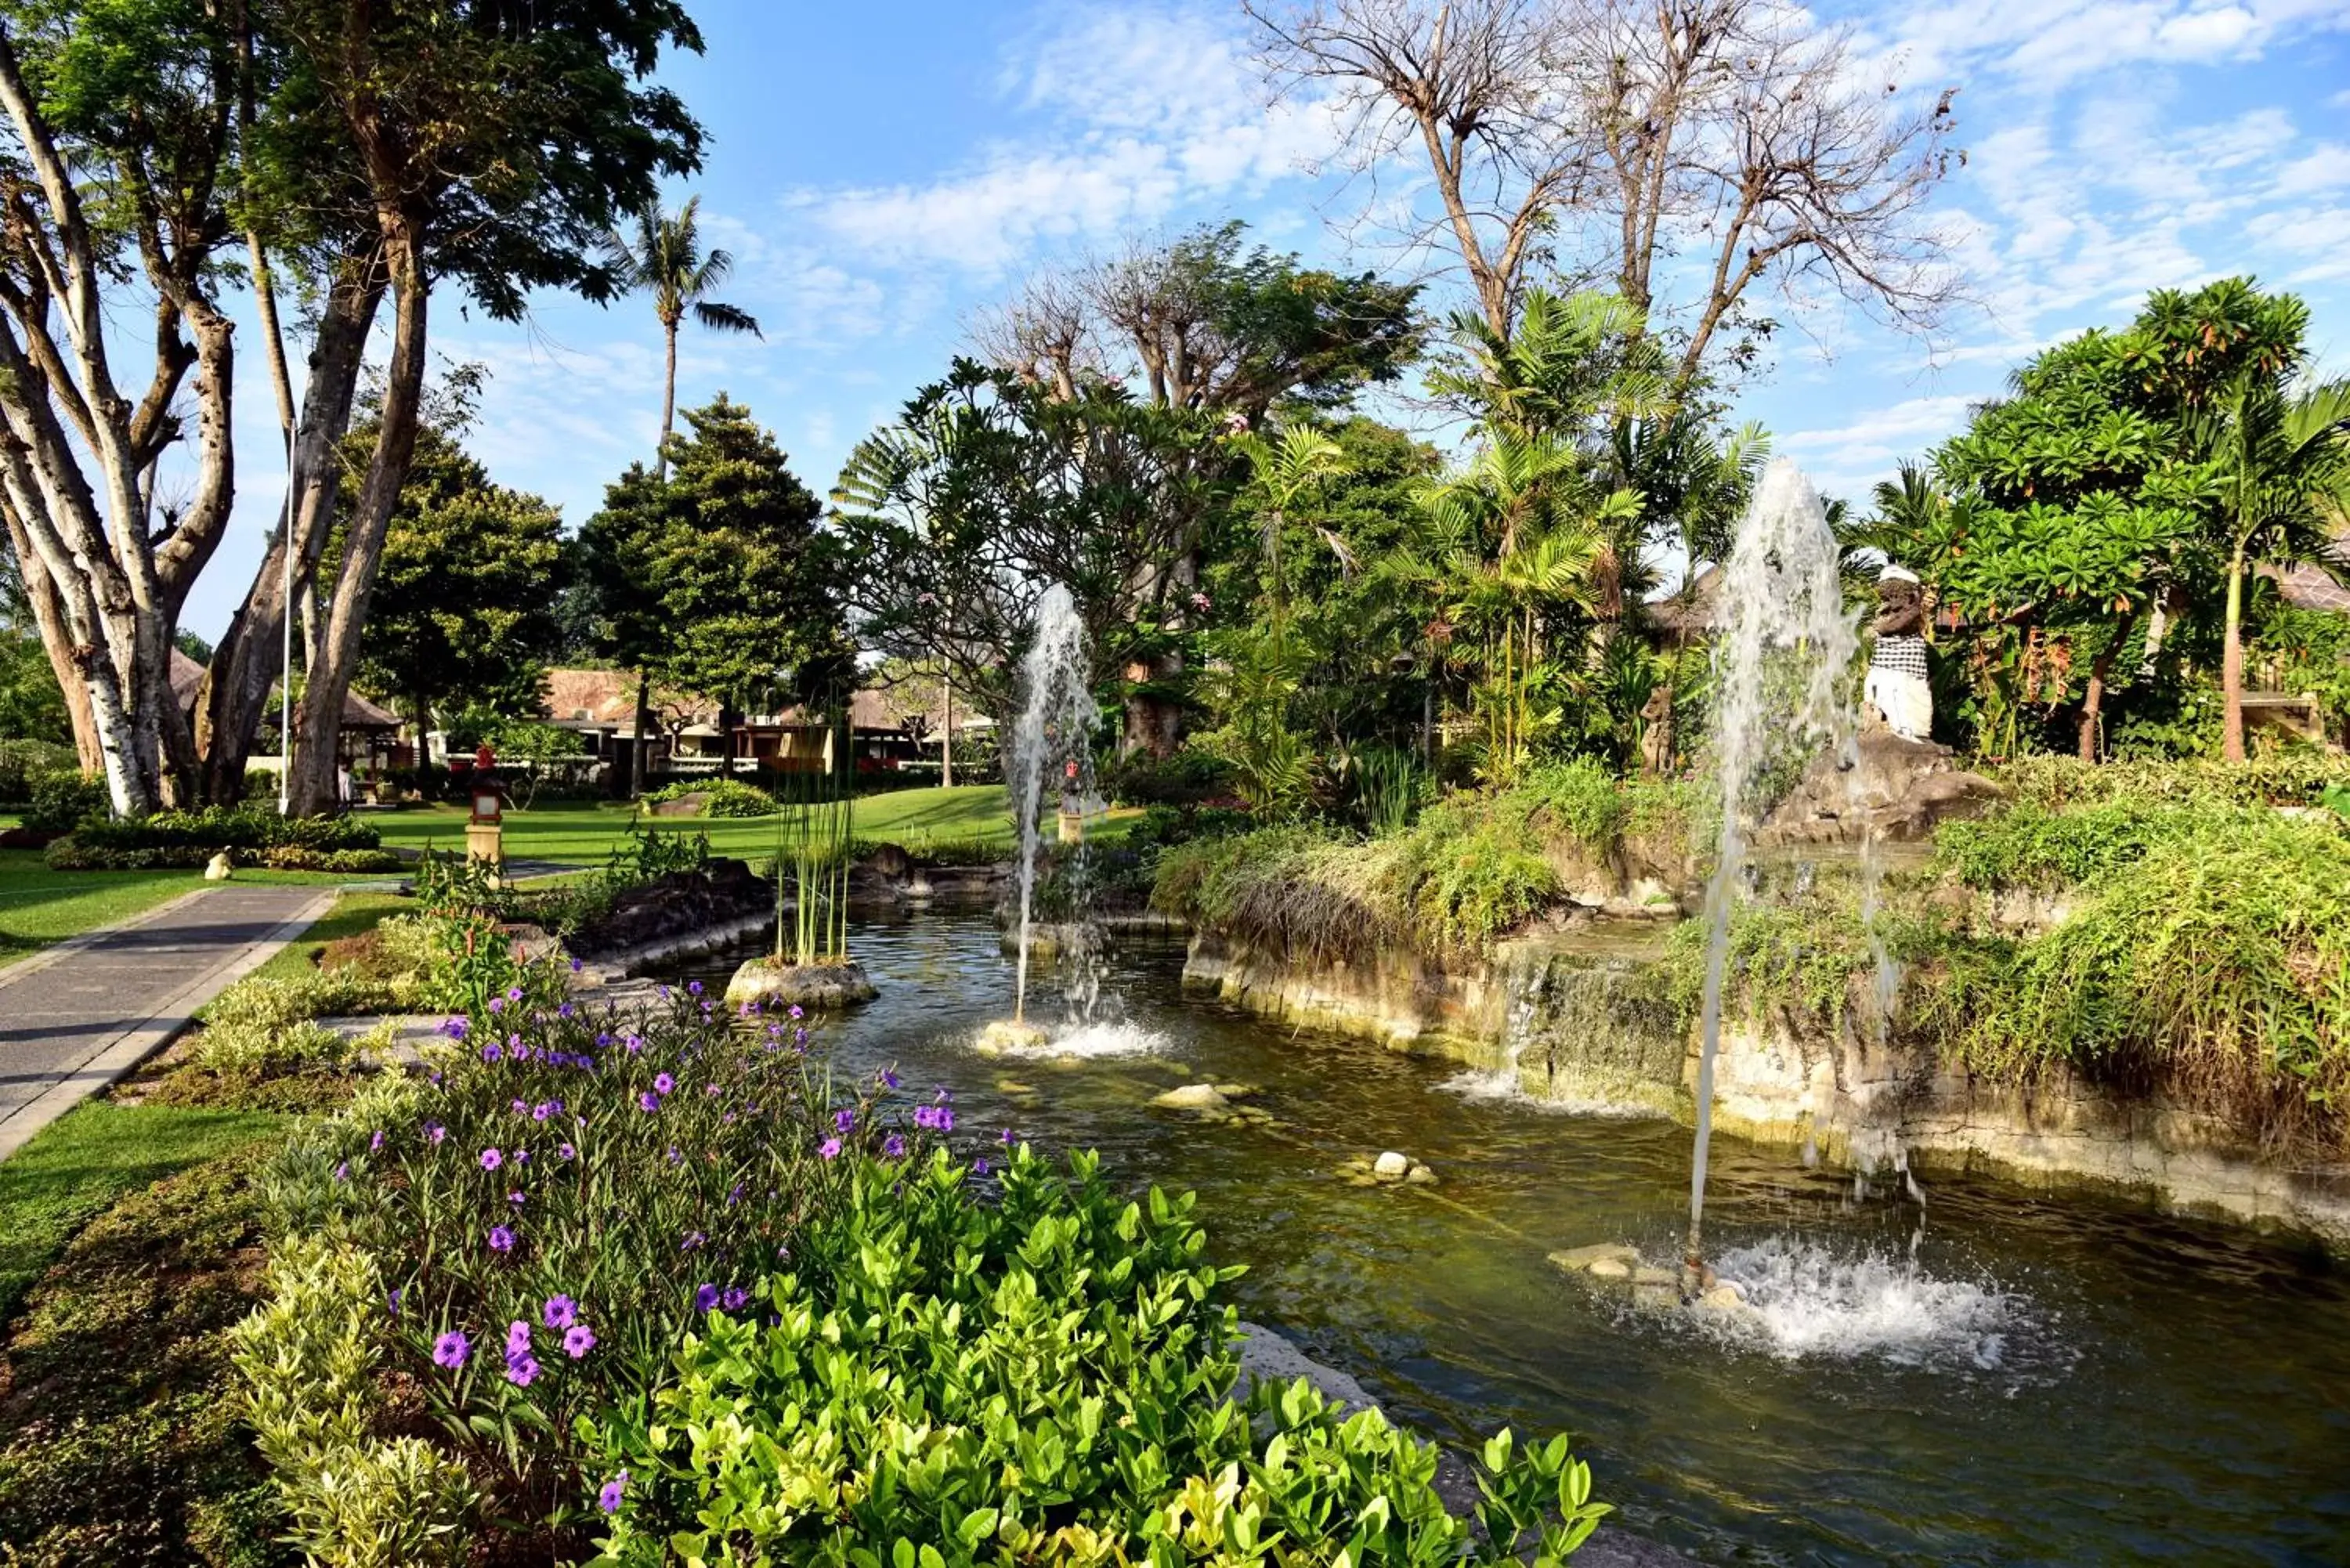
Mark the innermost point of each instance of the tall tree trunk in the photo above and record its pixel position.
(946, 732)
(318, 725)
(50, 619)
(250, 657)
(669, 398)
(2094, 704)
(2231, 664)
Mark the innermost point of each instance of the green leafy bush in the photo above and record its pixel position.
(1047, 1377)
(253, 835)
(64, 801)
(1185, 778)
(24, 766)
(2294, 777)
(725, 797)
(2029, 845)
(262, 1027)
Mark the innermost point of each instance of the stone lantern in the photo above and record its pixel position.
(485, 829)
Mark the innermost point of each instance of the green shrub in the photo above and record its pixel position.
(24, 766)
(2029, 845)
(252, 835)
(1187, 778)
(1044, 1377)
(726, 798)
(262, 1027)
(310, 1358)
(64, 801)
(2294, 777)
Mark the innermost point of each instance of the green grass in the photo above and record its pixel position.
(38, 906)
(586, 834)
(88, 1159)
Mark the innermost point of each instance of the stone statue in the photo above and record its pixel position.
(1657, 732)
(1896, 694)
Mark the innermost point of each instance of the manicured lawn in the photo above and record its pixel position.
(586, 834)
(82, 1163)
(38, 906)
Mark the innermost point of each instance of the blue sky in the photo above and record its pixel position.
(882, 171)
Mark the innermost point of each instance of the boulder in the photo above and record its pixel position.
(217, 869)
(1391, 1165)
(692, 804)
(818, 987)
(1193, 1098)
(1582, 1259)
(1609, 1269)
(1896, 790)
(1009, 1035)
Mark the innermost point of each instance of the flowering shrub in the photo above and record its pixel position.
(657, 1274)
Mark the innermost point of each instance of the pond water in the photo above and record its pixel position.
(2023, 1380)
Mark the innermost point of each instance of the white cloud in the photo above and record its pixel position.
(1130, 118)
(2050, 42)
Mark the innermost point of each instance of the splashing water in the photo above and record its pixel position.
(1780, 676)
(1803, 1300)
(1055, 729)
(1090, 1041)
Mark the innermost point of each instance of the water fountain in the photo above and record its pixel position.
(1054, 738)
(1782, 673)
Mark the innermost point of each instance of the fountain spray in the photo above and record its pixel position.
(1056, 721)
(1780, 677)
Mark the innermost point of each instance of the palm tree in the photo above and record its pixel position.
(2284, 465)
(666, 260)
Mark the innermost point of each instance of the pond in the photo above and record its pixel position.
(1990, 1376)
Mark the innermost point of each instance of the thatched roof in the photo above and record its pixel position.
(358, 712)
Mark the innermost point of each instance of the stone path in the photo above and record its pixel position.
(77, 1016)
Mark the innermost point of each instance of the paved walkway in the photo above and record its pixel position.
(77, 1016)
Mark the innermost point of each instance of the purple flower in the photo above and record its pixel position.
(735, 1297)
(693, 1240)
(608, 1499)
(521, 1370)
(888, 1079)
(513, 993)
(1006, 1138)
(493, 1051)
(501, 1239)
(664, 993)
(693, 988)
(712, 1091)
(455, 1028)
(663, 1083)
(844, 1119)
(375, 1142)
(451, 1349)
(943, 1119)
(541, 1111)
(497, 1004)
(522, 1157)
(519, 1107)
(979, 1167)
(567, 1152)
(492, 1159)
(635, 1043)
(434, 1132)
(566, 1010)
(559, 1311)
(603, 1039)
(343, 1171)
(829, 1148)
(647, 1101)
(578, 1339)
(516, 1198)
(799, 1038)
(674, 1157)
(517, 1338)
(733, 1195)
(705, 1297)
(795, 1011)
(894, 1146)
(576, 966)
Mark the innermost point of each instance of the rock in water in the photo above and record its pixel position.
(1010, 1034)
(1609, 1269)
(1583, 1260)
(216, 869)
(1391, 1165)
(1193, 1098)
(818, 986)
